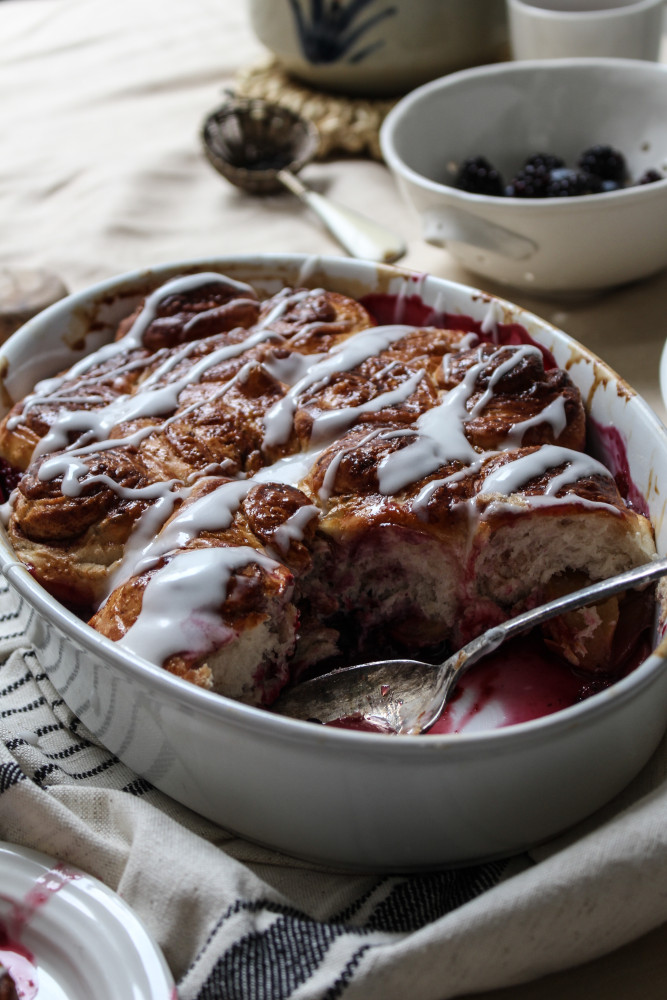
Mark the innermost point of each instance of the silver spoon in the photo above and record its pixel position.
(260, 147)
(408, 696)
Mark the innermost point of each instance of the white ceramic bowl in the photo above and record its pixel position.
(354, 799)
(509, 111)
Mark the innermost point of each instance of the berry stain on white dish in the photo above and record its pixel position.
(66, 936)
(29, 980)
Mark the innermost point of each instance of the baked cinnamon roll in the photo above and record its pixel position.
(241, 488)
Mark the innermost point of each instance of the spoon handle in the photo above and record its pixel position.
(361, 237)
(587, 595)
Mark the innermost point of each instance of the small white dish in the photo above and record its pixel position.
(71, 936)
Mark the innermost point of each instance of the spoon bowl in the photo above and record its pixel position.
(250, 141)
(407, 697)
(260, 147)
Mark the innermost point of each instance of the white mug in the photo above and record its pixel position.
(548, 29)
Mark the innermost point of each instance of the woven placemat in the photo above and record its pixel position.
(347, 125)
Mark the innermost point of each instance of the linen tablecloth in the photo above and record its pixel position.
(102, 172)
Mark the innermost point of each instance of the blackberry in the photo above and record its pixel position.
(565, 183)
(530, 182)
(478, 176)
(547, 160)
(650, 177)
(604, 162)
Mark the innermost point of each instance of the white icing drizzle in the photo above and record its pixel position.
(352, 352)
(553, 414)
(42, 392)
(541, 500)
(510, 479)
(285, 302)
(324, 492)
(501, 370)
(7, 507)
(181, 602)
(490, 322)
(172, 359)
(146, 531)
(68, 464)
(440, 304)
(133, 337)
(292, 368)
(184, 283)
(440, 439)
(292, 530)
(422, 499)
(406, 292)
(327, 426)
(512, 476)
(440, 430)
(213, 511)
(289, 470)
(147, 401)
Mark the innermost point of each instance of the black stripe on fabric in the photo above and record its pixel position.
(16, 685)
(343, 981)
(54, 727)
(12, 635)
(43, 772)
(421, 899)
(10, 775)
(24, 709)
(138, 787)
(16, 742)
(9, 615)
(349, 912)
(271, 964)
(68, 751)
